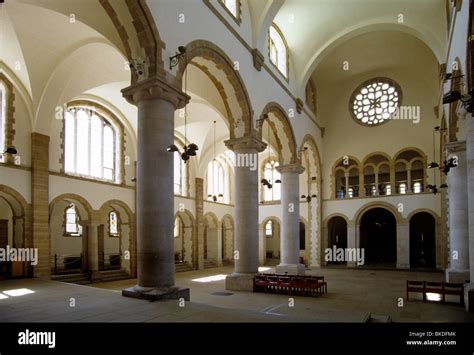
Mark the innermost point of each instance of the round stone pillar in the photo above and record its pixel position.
(290, 220)
(458, 215)
(246, 151)
(156, 101)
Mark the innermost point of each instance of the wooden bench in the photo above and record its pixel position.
(290, 284)
(441, 288)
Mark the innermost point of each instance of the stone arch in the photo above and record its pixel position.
(240, 123)
(378, 204)
(331, 216)
(383, 154)
(145, 41)
(363, 28)
(187, 246)
(407, 149)
(278, 120)
(70, 196)
(132, 230)
(438, 244)
(270, 247)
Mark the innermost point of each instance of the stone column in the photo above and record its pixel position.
(403, 246)
(198, 244)
(93, 247)
(246, 151)
(377, 191)
(352, 242)
(290, 220)
(458, 216)
(262, 245)
(156, 101)
(219, 244)
(469, 289)
(40, 203)
(409, 184)
(346, 179)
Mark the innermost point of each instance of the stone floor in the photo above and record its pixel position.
(352, 296)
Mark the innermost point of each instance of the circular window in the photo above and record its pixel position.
(374, 101)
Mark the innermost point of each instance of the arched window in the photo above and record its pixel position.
(350, 192)
(417, 187)
(278, 50)
(233, 7)
(3, 117)
(375, 101)
(91, 144)
(177, 227)
(72, 226)
(269, 229)
(402, 189)
(180, 177)
(113, 224)
(217, 182)
(272, 175)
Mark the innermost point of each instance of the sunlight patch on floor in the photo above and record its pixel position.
(212, 278)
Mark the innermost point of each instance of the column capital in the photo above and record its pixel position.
(455, 147)
(296, 168)
(155, 88)
(246, 142)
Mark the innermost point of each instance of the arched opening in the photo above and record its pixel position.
(183, 241)
(378, 236)
(271, 230)
(337, 236)
(422, 241)
(211, 242)
(69, 236)
(227, 240)
(11, 235)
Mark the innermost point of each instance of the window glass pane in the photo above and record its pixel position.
(108, 147)
(96, 146)
(69, 146)
(231, 6)
(276, 187)
(403, 189)
(89, 146)
(278, 54)
(177, 174)
(82, 144)
(71, 220)
(176, 227)
(269, 229)
(113, 223)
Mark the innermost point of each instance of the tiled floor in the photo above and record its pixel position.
(352, 295)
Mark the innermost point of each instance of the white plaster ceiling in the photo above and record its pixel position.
(313, 27)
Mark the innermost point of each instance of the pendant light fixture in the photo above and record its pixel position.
(214, 197)
(189, 150)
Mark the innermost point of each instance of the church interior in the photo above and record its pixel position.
(267, 161)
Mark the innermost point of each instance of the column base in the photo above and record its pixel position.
(403, 266)
(157, 293)
(290, 269)
(469, 297)
(457, 276)
(95, 276)
(239, 282)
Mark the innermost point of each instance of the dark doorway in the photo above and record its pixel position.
(422, 241)
(337, 235)
(302, 236)
(378, 236)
